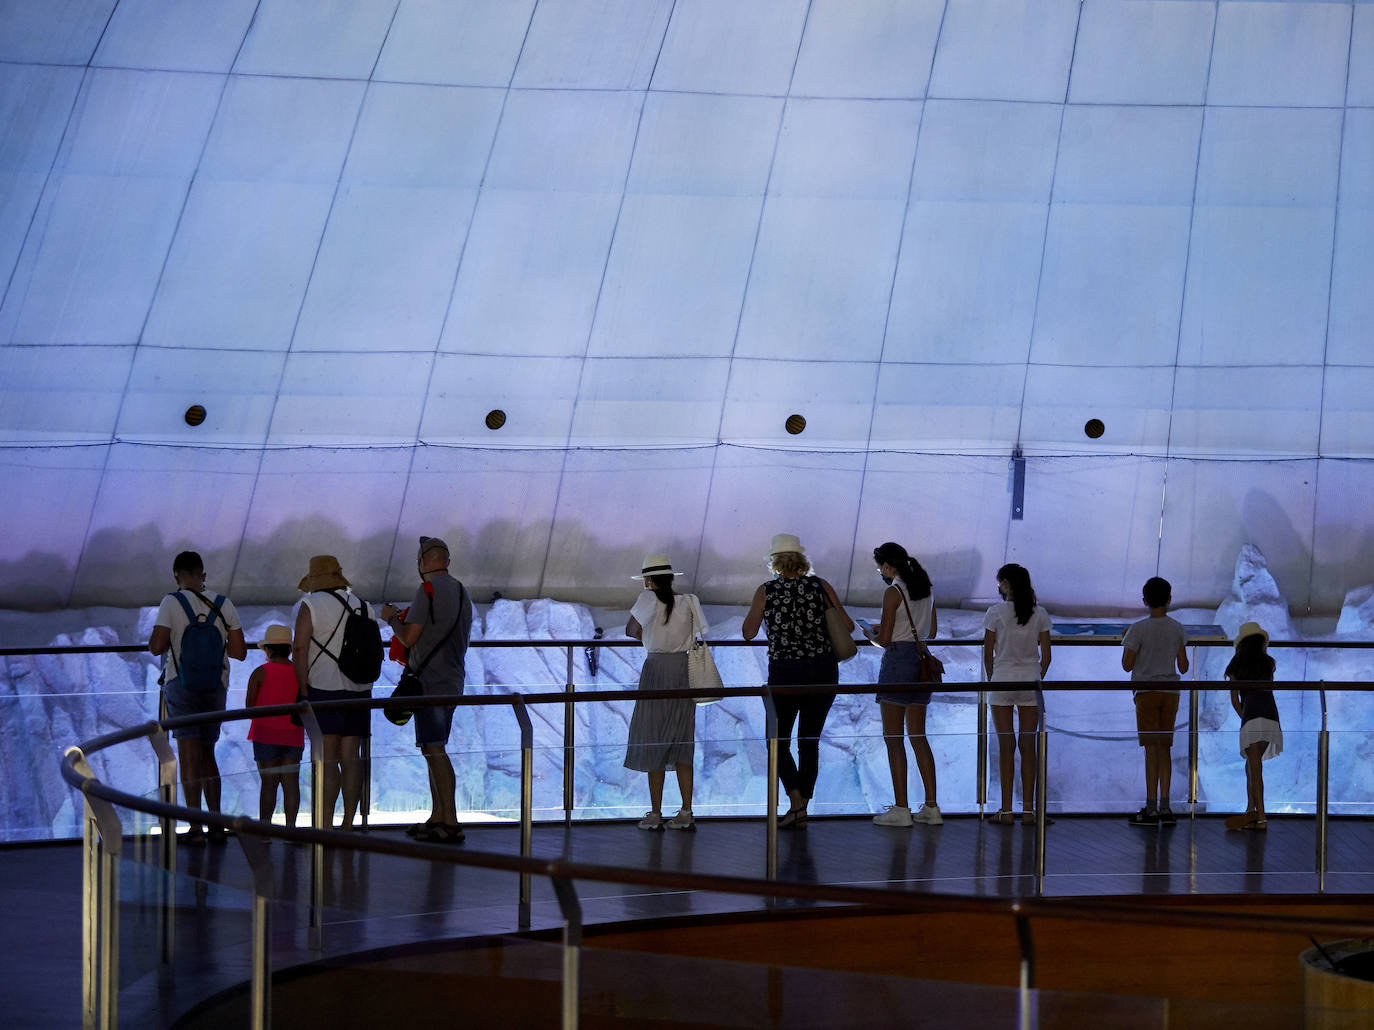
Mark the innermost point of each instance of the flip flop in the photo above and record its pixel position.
(1241, 820)
(795, 819)
(440, 834)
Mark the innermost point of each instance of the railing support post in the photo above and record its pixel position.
(1323, 798)
(1042, 768)
(1027, 945)
(770, 722)
(167, 846)
(1193, 743)
(522, 716)
(365, 757)
(572, 949)
(569, 741)
(320, 820)
(102, 844)
(982, 777)
(260, 995)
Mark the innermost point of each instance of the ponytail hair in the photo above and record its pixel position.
(1022, 594)
(917, 581)
(662, 586)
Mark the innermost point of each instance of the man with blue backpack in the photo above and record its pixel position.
(196, 633)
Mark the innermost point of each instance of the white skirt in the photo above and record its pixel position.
(1266, 730)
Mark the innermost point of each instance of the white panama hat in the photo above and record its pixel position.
(656, 565)
(784, 543)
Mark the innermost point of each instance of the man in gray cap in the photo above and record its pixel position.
(436, 632)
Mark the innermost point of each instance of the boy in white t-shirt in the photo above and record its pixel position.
(1151, 651)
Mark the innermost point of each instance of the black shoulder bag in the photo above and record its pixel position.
(409, 684)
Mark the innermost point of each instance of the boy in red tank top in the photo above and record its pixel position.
(278, 743)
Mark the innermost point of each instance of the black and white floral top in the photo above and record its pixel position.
(794, 612)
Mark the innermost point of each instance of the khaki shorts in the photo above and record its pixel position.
(1155, 714)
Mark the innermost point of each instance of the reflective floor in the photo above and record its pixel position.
(376, 901)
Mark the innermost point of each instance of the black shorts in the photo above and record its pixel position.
(352, 722)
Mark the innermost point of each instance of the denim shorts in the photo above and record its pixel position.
(276, 754)
(901, 664)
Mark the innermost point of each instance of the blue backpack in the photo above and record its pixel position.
(200, 666)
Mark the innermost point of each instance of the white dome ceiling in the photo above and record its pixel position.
(648, 232)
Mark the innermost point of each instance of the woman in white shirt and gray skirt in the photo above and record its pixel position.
(663, 732)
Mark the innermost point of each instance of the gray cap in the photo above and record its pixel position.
(429, 543)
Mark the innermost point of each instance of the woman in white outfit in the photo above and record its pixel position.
(1016, 650)
(663, 732)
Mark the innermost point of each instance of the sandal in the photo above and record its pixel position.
(1260, 825)
(1241, 820)
(1003, 817)
(415, 829)
(438, 833)
(795, 819)
(1028, 819)
(194, 837)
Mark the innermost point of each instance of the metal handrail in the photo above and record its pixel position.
(103, 836)
(975, 641)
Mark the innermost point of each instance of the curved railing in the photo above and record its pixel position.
(103, 837)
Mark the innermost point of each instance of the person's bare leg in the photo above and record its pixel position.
(896, 751)
(1164, 763)
(209, 775)
(188, 765)
(1254, 777)
(267, 792)
(1006, 751)
(351, 766)
(684, 783)
(333, 746)
(656, 778)
(291, 791)
(443, 785)
(1152, 774)
(920, 747)
(1025, 740)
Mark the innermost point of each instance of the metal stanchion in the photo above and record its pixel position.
(365, 757)
(770, 729)
(1193, 743)
(320, 820)
(572, 949)
(1042, 768)
(1027, 945)
(569, 733)
(103, 841)
(522, 716)
(982, 751)
(167, 845)
(260, 863)
(1323, 799)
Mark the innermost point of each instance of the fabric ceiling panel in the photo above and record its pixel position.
(175, 35)
(1142, 52)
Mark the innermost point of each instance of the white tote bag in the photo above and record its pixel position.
(701, 666)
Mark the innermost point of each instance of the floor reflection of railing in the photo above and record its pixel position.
(103, 843)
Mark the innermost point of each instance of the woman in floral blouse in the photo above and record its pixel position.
(792, 605)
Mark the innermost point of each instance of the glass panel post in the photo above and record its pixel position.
(1027, 945)
(365, 756)
(103, 840)
(1041, 784)
(770, 718)
(260, 862)
(522, 716)
(569, 732)
(1323, 797)
(982, 777)
(320, 820)
(1194, 746)
(167, 845)
(572, 949)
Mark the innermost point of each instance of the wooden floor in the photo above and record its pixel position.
(377, 901)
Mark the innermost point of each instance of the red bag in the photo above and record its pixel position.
(397, 651)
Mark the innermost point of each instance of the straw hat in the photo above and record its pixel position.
(324, 574)
(275, 634)
(656, 565)
(784, 543)
(1250, 629)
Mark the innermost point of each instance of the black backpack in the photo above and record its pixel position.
(360, 653)
(200, 665)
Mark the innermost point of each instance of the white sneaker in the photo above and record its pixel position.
(896, 815)
(929, 814)
(651, 821)
(682, 821)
